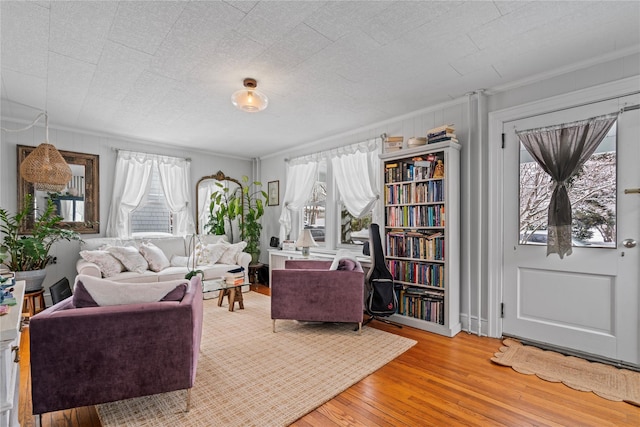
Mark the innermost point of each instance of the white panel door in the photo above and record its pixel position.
(588, 301)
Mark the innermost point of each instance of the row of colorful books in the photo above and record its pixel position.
(419, 168)
(414, 192)
(416, 245)
(428, 307)
(416, 216)
(417, 272)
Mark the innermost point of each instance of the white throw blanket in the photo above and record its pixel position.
(105, 292)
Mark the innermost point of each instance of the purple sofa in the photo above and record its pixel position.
(91, 355)
(307, 290)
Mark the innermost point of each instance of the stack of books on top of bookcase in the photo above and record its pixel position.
(445, 133)
(393, 143)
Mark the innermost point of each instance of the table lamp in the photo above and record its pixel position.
(305, 241)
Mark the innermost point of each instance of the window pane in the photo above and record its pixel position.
(154, 215)
(315, 210)
(592, 193)
(354, 231)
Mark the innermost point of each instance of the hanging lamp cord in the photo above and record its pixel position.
(36, 120)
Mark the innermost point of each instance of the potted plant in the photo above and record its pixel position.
(223, 208)
(29, 255)
(254, 202)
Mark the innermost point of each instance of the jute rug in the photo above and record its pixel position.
(606, 381)
(249, 376)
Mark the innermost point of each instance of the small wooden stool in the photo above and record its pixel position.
(30, 298)
(234, 295)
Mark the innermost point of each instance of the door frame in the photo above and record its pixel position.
(497, 119)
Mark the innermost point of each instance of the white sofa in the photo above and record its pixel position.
(174, 248)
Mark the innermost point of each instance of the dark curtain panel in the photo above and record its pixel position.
(561, 150)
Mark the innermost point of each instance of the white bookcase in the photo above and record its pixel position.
(422, 235)
(10, 329)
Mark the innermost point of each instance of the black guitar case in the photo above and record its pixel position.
(381, 298)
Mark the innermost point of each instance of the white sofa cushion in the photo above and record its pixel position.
(130, 257)
(230, 254)
(109, 266)
(133, 277)
(170, 246)
(156, 258)
(211, 253)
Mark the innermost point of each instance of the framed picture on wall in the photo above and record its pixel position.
(273, 188)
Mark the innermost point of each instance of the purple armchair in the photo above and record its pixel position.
(91, 355)
(307, 290)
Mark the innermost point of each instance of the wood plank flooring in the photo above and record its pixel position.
(439, 382)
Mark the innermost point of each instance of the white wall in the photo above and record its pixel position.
(67, 252)
(471, 120)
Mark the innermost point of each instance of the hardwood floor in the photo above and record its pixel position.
(439, 382)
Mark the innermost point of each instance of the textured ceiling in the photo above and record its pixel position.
(164, 71)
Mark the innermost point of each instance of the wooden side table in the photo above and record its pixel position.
(29, 308)
(234, 294)
(253, 273)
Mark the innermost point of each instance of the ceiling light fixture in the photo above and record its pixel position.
(45, 167)
(249, 99)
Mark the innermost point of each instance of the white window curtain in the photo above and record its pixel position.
(205, 191)
(356, 171)
(131, 186)
(301, 176)
(174, 176)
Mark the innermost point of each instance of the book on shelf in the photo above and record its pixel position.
(393, 143)
(443, 139)
(444, 128)
(443, 134)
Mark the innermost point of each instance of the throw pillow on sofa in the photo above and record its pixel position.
(92, 292)
(107, 263)
(154, 256)
(231, 252)
(129, 257)
(213, 252)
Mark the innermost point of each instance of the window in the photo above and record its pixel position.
(592, 193)
(325, 214)
(153, 214)
(354, 231)
(314, 212)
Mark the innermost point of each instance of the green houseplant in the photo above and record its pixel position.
(223, 209)
(247, 205)
(250, 228)
(29, 254)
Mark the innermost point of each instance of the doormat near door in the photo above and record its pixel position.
(250, 376)
(604, 380)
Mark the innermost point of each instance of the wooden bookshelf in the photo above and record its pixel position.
(422, 234)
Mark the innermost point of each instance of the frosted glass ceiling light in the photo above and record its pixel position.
(249, 99)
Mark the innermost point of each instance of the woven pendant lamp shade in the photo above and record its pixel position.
(46, 168)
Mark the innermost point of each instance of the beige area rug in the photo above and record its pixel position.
(606, 381)
(249, 376)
